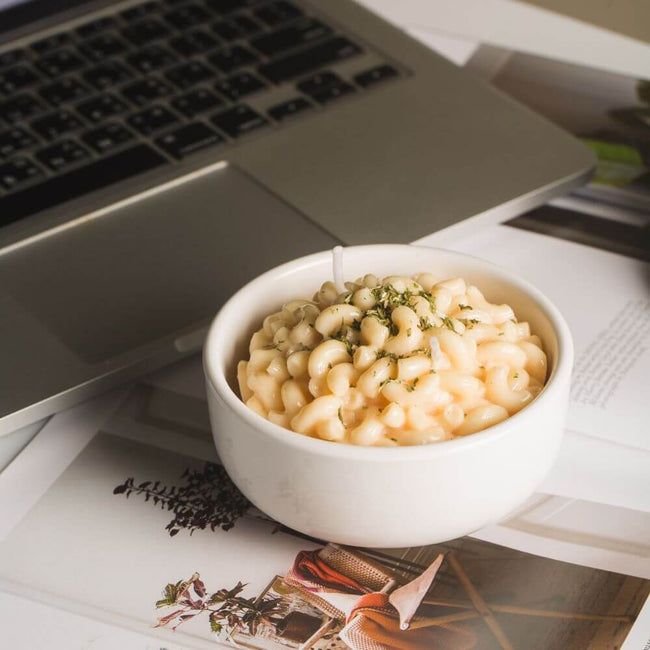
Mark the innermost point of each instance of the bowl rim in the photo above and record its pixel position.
(216, 378)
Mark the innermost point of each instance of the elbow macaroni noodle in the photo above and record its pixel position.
(401, 361)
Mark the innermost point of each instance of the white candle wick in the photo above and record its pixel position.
(434, 344)
(337, 267)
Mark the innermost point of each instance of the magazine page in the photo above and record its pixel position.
(141, 530)
(57, 629)
(595, 268)
(596, 470)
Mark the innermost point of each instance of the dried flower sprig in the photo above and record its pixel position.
(225, 607)
(207, 499)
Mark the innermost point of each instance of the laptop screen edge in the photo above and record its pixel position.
(17, 14)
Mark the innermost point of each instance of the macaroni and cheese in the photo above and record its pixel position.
(398, 361)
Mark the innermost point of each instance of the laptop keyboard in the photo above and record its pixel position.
(123, 94)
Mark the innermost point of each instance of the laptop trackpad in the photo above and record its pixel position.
(157, 265)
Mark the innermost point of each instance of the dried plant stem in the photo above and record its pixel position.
(528, 611)
(549, 613)
(442, 620)
(479, 603)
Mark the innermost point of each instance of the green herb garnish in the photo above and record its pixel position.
(448, 323)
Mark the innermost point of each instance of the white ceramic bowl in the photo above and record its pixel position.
(386, 496)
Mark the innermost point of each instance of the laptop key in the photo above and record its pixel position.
(301, 32)
(51, 42)
(189, 74)
(228, 6)
(96, 26)
(229, 59)
(77, 182)
(107, 74)
(64, 91)
(107, 137)
(318, 82)
(14, 140)
(185, 16)
(55, 124)
(61, 155)
(103, 46)
(332, 93)
(99, 108)
(188, 139)
(239, 120)
(276, 13)
(139, 11)
(196, 102)
(376, 75)
(15, 173)
(13, 79)
(150, 58)
(227, 30)
(152, 119)
(60, 62)
(20, 107)
(145, 31)
(11, 56)
(306, 60)
(240, 85)
(283, 111)
(146, 91)
(194, 42)
(246, 25)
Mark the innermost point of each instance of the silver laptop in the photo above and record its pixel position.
(155, 156)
